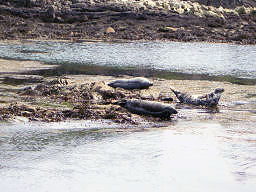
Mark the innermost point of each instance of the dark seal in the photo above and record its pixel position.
(208, 100)
(129, 84)
(150, 108)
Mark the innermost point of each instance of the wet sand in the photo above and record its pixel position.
(13, 66)
(237, 104)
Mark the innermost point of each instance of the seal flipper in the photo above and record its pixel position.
(180, 96)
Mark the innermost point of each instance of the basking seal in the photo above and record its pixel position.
(134, 83)
(208, 100)
(142, 107)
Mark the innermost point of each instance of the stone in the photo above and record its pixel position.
(110, 30)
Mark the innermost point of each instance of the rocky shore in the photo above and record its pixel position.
(88, 97)
(127, 20)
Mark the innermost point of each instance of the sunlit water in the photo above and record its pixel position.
(186, 156)
(199, 58)
(81, 156)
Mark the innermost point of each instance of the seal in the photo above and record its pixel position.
(208, 100)
(150, 108)
(129, 84)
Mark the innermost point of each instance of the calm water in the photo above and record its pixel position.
(191, 58)
(185, 156)
(82, 156)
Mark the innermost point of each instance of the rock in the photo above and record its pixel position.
(25, 3)
(51, 11)
(26, 114)
(74, 18)
(110, 30)
(167, 29)
(215, 22)
(28, 91)
(109, 94)
(222, 3)
(79, 5)
(166, 99)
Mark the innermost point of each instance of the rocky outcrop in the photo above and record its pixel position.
(61, 99)
(133, 20)
(231, 4)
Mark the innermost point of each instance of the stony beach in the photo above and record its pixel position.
(79, 20)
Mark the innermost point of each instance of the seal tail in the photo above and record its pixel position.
(175, 92)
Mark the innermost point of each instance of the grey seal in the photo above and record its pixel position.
(208, 100)
(150, 108)
(134, 83)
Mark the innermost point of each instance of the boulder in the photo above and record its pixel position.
(110, 30)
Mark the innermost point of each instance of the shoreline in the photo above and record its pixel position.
(128, 20)
(115, 41)
(87, 97)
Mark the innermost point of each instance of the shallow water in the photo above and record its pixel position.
(99, 156)
(190, 58)
(187, 156)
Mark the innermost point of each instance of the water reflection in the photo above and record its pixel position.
(192, 58)
(188, 156)
(240, 145)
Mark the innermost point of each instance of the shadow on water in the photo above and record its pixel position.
(90, 69)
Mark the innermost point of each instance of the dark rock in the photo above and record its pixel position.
(79, 5)
(109, 94)
(215, 22)
(28, 91)
(74, 18)
(166, 99)
(51, 12)
(223, 3)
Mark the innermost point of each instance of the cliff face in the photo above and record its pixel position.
(231, 4)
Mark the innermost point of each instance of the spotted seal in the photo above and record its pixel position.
(208, 100)
(150, 108)
(129, 84)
